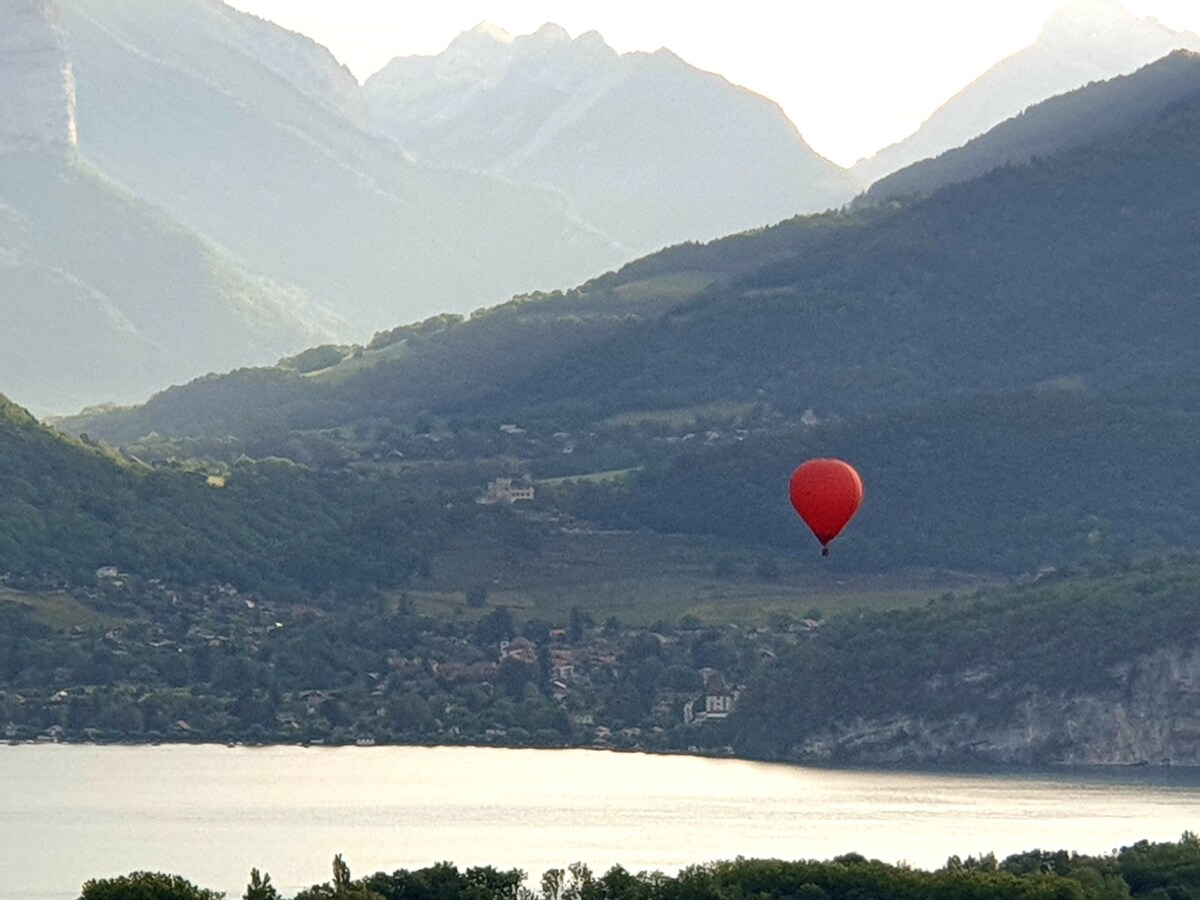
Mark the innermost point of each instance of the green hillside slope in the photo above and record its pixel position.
(1078, 266)
(1002, 484)
(1062, 671)
(68, 508)
(1010, 361)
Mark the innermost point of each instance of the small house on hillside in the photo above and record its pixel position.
(719, 698)
(718, 702)
(521, 649)
(502, 491)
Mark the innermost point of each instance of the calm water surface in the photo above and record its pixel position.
(209, 813)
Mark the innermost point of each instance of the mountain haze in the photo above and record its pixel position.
(1060, 123)
(253, 138)
(37, 86)
(648, 148)
(107, 298)
(1004, 282)
(1082, 42)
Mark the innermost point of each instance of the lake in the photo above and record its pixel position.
(210, 813)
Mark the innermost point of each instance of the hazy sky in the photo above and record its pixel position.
(854, 75)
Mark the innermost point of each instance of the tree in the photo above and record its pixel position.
(260, 888)
(146, 886)
(495, 626)
(578, 625)
(342, 887)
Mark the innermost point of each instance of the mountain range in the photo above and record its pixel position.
(649, 149)
(214, 117)
(1075, 119)
(1001, 339)
(1064, 284)
(315, 210)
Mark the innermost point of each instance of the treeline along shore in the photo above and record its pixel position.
(1150, 870)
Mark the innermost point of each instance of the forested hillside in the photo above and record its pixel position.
(1078, 671)
(989, 355)
(1003, 484)
(68, 508)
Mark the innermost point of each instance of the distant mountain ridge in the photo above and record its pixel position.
(106, 297)
(648, 148)
(245, 134)
(1104, 110)
(256, 144)
(939, 298)
(1082, 42)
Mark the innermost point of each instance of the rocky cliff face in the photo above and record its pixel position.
(1152, 717)
(37, 89)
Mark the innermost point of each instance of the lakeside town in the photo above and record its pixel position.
(158, 663)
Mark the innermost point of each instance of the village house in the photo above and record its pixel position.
(562, 665)
(718, 701)
(521, 649)
(404, 664)
(502, 491)
(111, 575)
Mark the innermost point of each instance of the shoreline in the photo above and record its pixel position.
(1049, 771)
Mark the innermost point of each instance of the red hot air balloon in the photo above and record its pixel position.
(826, 494)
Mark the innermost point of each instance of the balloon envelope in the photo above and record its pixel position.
(826, 494)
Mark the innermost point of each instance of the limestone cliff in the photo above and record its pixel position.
(37, 89)
(1151, 717)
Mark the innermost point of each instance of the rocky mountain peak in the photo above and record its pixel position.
(487, 47)
(1112, 33)
(482, 35)
(37, 88)
(550, 33)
